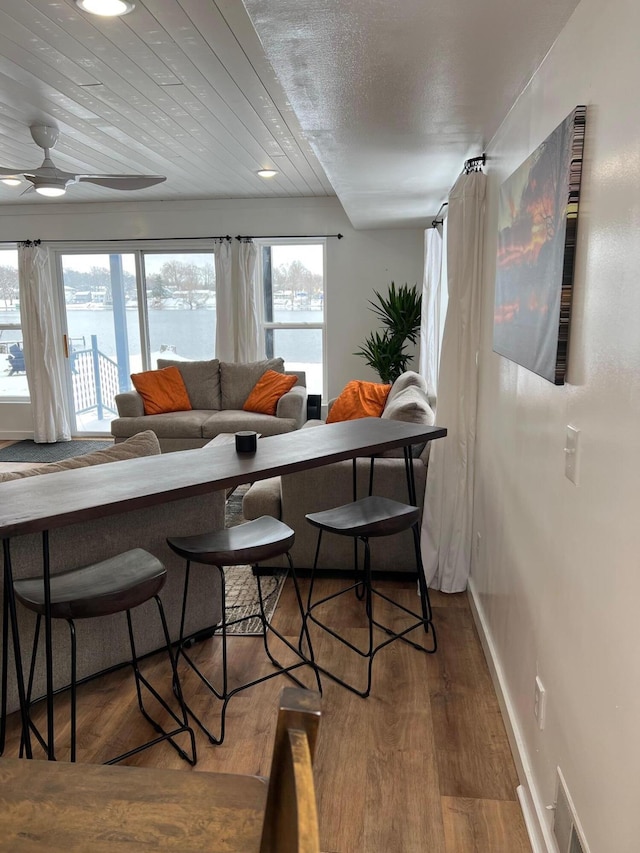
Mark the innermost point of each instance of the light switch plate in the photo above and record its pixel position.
(572, 455)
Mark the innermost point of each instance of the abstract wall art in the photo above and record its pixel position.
(537, 229)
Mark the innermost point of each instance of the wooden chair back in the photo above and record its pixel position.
(291, 818)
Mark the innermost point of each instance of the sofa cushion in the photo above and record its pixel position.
(408, 379)
(359, 400)
(162, 391)
(263, 498)
(201, 379)
(236, 420)
(237, 380)
(143, 444)
(410, 405)
(267, 392)
(170, 425)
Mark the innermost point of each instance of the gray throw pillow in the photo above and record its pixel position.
(201, 379)
(237, 380)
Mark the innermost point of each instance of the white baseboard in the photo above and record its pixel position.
(533, 809)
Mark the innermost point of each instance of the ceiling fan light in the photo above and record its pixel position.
(51, 190)
(12, 182)
(106, 8)
(267, 173)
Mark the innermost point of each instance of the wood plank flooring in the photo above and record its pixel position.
(423, 764)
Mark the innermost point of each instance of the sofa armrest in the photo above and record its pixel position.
(129, 404)
(293, 405)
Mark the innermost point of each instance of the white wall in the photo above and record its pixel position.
(558, 576)
(356, 265)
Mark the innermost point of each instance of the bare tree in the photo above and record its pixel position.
(185, 282)
(8, 286)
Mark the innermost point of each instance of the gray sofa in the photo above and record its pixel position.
(291, 497)
(217, 391)
(104, 642)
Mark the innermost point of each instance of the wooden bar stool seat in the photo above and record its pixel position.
(245, 544)
(116, 585)
(363, 519)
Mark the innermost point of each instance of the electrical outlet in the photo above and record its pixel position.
(539, 703)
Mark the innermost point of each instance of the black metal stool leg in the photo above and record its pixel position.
(141, 680)
(309, 615)
(427, 613)
(13, 619)
(74, 689)
(224, 695)
(362, 520)
(32, 669)
(267, 628)
(5, 670)
(184, 644)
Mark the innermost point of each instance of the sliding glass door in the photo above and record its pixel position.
(123, 311)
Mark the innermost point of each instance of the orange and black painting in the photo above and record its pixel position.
(537, 227)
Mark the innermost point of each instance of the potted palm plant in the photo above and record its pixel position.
(385, 350)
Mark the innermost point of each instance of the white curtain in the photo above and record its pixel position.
(248, 346)
(434, 306)
(225, 308)
(42, 336)
(447, 516)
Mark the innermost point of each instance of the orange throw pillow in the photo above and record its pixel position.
(359, 400)
(162, 391)
(267, 391)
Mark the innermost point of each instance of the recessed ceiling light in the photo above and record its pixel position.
(267, 173)
(106, 8)
(12, 182)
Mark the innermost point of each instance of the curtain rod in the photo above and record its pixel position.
(437, 221)
(287, 236)
(173, 239)
(474, 164)
(119, 240)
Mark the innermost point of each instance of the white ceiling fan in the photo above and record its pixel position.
(50, 181)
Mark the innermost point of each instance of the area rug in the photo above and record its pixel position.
(29, 451)
(241, 585)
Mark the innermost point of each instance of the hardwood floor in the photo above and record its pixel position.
(423, 764)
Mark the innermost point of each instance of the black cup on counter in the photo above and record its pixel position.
(246, 442)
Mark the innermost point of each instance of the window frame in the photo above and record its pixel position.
(13, 327)
(272, 325)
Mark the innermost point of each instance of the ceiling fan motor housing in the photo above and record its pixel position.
(44, 135)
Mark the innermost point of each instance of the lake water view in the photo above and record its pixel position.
(189, 334)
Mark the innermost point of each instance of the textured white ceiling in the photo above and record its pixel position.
(378, 103)
(394, 96)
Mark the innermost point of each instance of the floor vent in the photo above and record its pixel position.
(566, 826)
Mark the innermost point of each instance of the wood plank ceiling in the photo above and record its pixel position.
(177, 89)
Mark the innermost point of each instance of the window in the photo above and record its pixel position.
(13, 379)
(124, 310)
(293, 283)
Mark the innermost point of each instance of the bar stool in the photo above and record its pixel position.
(364, 519)
(111, 586)
(245, 544)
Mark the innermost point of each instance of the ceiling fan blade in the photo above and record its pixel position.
(12, 173)
(48, 172)
(122, 182)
